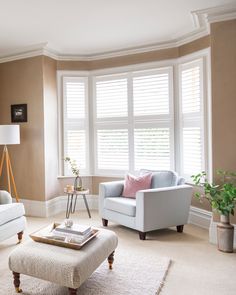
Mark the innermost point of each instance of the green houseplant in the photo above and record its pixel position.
(75, 170)
(222, 198)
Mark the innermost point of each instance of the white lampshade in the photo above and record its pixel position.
(9, 134)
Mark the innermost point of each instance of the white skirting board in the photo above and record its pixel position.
(56, 205)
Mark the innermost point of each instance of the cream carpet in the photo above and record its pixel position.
(132, 274)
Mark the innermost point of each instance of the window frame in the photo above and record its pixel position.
(174, 64)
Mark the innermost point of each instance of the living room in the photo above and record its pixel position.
(90, 95)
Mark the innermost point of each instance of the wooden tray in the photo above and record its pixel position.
(40, 236)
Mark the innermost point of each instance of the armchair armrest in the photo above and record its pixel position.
(5, 198)
(111, 189)
(163, 207)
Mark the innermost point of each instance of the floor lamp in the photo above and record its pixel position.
(9, 134)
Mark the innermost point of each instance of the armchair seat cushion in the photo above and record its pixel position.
(8, 212)
(126, 206)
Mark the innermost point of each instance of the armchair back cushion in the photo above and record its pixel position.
(161, 178)
(133, 184)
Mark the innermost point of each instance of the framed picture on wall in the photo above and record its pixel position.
(18, 113)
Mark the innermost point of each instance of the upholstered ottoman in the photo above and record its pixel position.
(63, 266)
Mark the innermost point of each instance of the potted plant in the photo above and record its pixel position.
(75, 171)
(222, 198)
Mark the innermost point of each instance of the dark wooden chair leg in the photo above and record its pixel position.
(111, 259)
(20, 235)
(72, 291)
(142, 235)
(104, 222)
(180, 228)
(16, 281)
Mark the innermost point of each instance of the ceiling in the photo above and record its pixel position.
(92, 27)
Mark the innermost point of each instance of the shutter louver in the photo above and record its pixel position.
(112, 149)
(191, 91)
(111, 98)
(75, 100)
(152, 148)
(151, 95)
(192, 150)
(75, 148)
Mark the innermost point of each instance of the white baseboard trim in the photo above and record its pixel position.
(213, 233)
(54, 206)
(200, 217)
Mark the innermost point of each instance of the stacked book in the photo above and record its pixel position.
(77, 233)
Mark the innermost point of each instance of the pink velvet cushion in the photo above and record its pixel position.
(133, 184)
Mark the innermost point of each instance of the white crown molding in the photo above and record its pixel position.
(201, 20)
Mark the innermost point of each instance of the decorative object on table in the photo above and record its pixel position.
(222, 198)
(50, 235)
(75, 170)
(68, 223)
(9, 134)
(18, 113)
(72, 196)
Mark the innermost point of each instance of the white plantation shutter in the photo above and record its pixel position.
(75, 122)
(112, 149)
(191, 114)
(152, 148)
(74, 98)
(75, 147)
(191, 90)
(151, 94)
(192, 150)
(133, 119)
(111, 98)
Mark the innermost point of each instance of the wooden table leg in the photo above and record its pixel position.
(20, 235)
(16, 276)
(86, 204)
(111, 259)
(72, 291)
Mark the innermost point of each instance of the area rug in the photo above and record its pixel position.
(132, 273)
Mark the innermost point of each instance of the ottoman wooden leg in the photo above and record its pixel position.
(72, 291)
(180, 228)
(20, 234)
(16, 276)
(104, 222)
(111, 259)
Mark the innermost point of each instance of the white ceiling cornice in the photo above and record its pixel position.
(201, 20)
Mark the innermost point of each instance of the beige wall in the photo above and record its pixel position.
(223, 63)
(21, 82)
(36, 77)
(50, 128)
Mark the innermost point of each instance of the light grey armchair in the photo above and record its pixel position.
(12, 219)
(166, 204)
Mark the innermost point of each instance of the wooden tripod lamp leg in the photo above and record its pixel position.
(8, 172)
(12, 179)
(2, 160)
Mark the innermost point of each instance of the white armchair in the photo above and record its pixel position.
(166, 204)
(12, 219)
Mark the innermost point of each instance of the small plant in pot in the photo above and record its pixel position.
(222, 198)
(75, 171)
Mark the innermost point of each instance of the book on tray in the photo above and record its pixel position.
(76, 229)
(75, 234)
